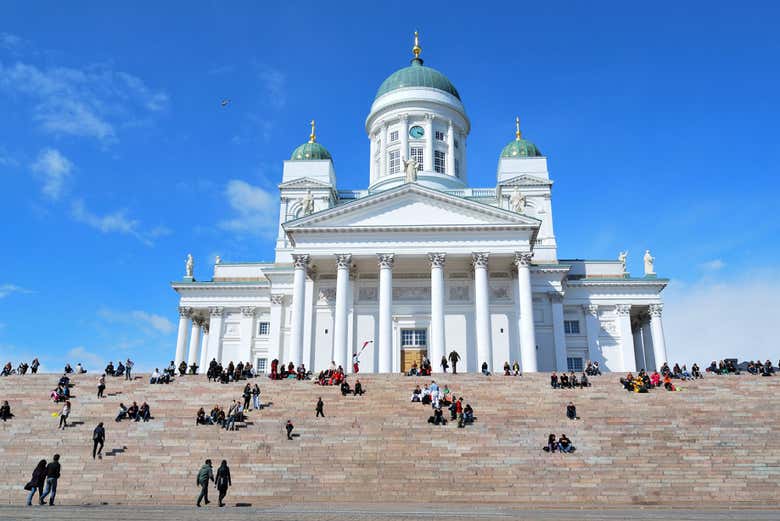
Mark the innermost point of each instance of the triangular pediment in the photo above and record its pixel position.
(526, 180)
(304, 182)
(412, 206)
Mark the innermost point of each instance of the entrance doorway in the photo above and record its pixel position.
(414, 346)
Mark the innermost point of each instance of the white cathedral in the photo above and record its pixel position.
(419, 263)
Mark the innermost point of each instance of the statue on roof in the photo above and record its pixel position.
(649, 260)
(188, 266)
(622, 258)
(517, 202)
(307, 204)
(410, 170)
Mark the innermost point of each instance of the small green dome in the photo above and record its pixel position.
(309, 151)
(521, 148)
(417, 75)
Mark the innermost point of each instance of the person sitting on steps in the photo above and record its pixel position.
(437, 418)
(122, 414)
(5, 411)
(571, 411)
(554, 381)
(359, 388)
(564, 444)
(552, 444)
(345, 389)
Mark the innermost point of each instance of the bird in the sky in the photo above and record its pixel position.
(225, 102)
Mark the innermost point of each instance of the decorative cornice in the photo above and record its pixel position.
(623, 310)
(437, 259)
(656, 310)
(301, 261)
(343, 261)
(386, 260)
(277, 299)
(248, 311)
(216, 311)
(660, 283)
(480, 259)
(185, 312)
(523, 258)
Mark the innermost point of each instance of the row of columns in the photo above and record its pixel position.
(196, 350)
(386, 261)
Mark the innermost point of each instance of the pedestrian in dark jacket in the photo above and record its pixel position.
(320, 406)
(223, 481)
(289, 427)
(36, 483)
(52, 475)
(204, 476)
(98, 439)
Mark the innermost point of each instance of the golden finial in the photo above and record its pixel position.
(312, 137)
(518, 134)
(416, 49)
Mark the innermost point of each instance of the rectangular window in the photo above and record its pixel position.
(261, 365)
(438, 162)
(394, 162)
(413, 337)
(571, 327)
(456, 143)
(393, 136)
(574, 363)
(263, 328)
(457, 166)
(439, 135)
(416, 153)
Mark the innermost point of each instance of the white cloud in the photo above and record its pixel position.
(715, 319)
(53, 169)
(88, 102)
(10, 41)
(713, 265)
(88, 359)
(255, 209)
(116, 222)
(149, 322)
(8, 289)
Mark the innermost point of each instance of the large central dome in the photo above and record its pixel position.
(417, 75)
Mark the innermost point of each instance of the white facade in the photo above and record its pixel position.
(425, 265)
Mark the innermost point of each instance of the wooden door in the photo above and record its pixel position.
(410, 356)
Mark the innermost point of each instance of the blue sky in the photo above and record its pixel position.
(660, 122)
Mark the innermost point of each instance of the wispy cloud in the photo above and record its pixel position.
(53, 169)
(116, 222)
(274, 83)
(713, 265)
(149, 322)
(10, 41)
(255, 209)
(9, 289)
(86, 358)
(88, 102)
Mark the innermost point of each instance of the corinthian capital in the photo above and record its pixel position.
(656, 310)
(437, 259)
(198, 321)
(301, 261)
(248, 311)
(343, 260)
(216, 311)
(277, 299)
(386, 260)
(480, 259)
(185, 312)
(523, 258)
(623, 309)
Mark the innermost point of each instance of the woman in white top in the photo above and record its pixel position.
(64, 413)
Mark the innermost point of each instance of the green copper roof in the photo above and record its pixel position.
(309, 151)
(521, 148)
(417, 75)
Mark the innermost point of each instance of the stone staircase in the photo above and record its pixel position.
(714, 443)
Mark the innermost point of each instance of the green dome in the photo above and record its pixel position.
(521, 148)
(309, 151)
(417, 75)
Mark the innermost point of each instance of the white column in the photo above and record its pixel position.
(593, 326)
(204, 350)
(450, 166)
(403, 133)
(559, 333)
(343, 292)
(482, 310)
(372, 158)
(275, 332)
(647, 345)
(181, 340)
(639, 352)
(386, 261)
(215, 335)
(383, 166)
(657, 334)
(437, 310)
(193, 357)
(527, 330)
(300, 263)
(247, 332)
(462, 150)
(428, 156)
(626, 337)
